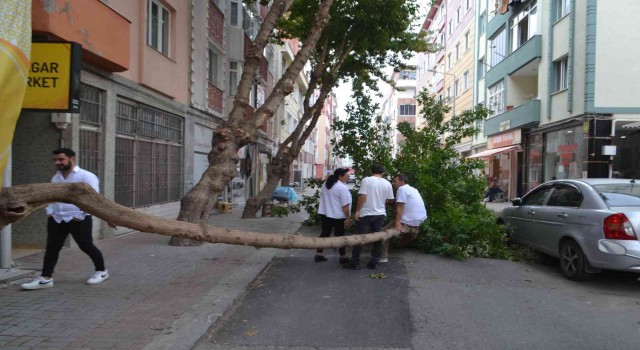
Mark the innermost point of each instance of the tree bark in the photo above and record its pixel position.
(240, 129)
(20, 201)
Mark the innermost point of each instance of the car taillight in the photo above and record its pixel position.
(617, 226)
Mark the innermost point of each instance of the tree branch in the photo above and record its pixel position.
(20, 201)
(285, 84)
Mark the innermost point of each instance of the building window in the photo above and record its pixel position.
(91, 147)
(481, 24)
(407, 110)
(496, 98)
(448, 92)
(233, 77)
(498, 47)
(524, 25)
(235, 13)
(468, 4)
(449, 61)
(408, 75)
(149, 159)
(465, 81)
(455, 88)
(563, 154)
(213, 67)
(450, 27)
(457, 51)
(482, 68)
(563, 7)
(158, 26)
(466, 41)
(458, 12)
(561, 74)
(250, 23)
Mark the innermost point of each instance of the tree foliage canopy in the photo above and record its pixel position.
(458, 224)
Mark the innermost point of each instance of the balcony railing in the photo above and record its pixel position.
(526, 53)
(527, 114)
(215, 98)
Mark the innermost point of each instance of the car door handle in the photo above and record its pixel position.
(563, 215)
(532, 212)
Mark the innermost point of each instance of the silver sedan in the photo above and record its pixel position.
(589, 224)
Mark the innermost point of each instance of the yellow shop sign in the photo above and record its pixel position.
(54, 77)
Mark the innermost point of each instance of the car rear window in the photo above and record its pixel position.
(620, 195)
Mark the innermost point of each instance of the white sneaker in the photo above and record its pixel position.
(98, 277)
(384, 260)
(38, 283)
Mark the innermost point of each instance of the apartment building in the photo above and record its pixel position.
(155, 79)
(399, 104)
(449, 72)
(561, 88)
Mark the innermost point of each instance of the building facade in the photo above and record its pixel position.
(559, 89)
(399, 104)
(157, 77)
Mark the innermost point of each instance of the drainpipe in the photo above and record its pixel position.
(5, 233)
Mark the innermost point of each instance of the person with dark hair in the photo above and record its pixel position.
(64, 218)
(374, 194)
(335, 210)
(410, 213)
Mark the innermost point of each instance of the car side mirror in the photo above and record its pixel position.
(517, 202)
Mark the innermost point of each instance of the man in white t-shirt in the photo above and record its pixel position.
(410, 211)
(64, 219)
(374, 194)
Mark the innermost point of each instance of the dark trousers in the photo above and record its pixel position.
(335, 225)
(491, 193)
(81, 232)
(364, 225)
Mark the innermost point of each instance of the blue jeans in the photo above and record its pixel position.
(364, 225)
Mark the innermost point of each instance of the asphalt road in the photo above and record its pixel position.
(429, 302)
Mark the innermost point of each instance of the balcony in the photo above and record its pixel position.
(105, 42)
(523, 115)
(525, 54)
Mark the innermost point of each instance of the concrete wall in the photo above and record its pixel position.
(579, 54)
(32, 163)
(616, 53)
(168, 75)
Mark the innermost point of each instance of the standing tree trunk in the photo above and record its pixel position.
(240, 129)
(277, 169)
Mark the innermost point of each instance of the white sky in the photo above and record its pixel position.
(343, 92)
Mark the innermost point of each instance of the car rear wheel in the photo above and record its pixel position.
(573, 263)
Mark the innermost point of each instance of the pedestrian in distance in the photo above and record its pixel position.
(335, 210)
(410, 213)
(374, 194)
(63, 218)
(493, 190)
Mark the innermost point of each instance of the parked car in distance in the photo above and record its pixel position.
(352, 179)
(589, 224)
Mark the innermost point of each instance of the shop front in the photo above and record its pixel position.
(576, 150)
(626, 160)
(503, 159)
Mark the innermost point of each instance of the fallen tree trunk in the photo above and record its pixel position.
(20, 201)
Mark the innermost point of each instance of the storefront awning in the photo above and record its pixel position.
(634, 125)
(493, 151)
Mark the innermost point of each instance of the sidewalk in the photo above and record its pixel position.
(497, 206)
(158, 297)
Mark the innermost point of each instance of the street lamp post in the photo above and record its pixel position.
(455, 94)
